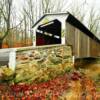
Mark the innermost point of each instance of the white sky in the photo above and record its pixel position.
(96, 3)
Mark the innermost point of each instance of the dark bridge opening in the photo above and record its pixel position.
(49, 33)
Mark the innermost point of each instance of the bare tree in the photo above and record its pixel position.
(5, 10)
(28, 16)
(94, 20)
(51, 6)
(34, 10)
(77, 8)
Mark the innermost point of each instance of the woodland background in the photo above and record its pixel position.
(16, 26)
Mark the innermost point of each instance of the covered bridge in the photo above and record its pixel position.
(84, 43)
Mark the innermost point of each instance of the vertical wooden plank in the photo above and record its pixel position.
(70, 36)
(83, 45)
(77, 42)
(95, 48)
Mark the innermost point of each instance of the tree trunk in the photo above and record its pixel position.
(1, 41)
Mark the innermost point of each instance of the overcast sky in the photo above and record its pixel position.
(96, 3)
